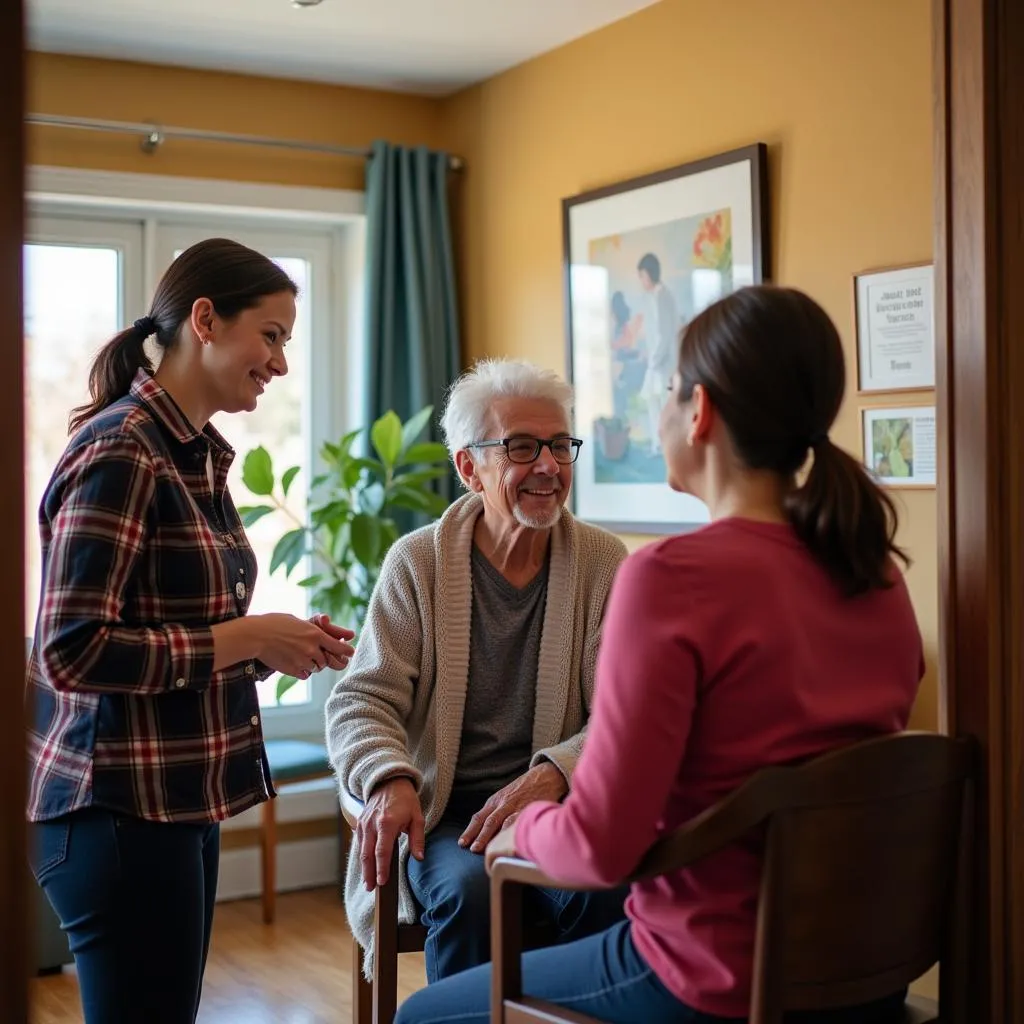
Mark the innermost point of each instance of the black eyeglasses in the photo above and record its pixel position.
(527, 449)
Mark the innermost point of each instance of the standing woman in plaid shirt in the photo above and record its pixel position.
(146, 724)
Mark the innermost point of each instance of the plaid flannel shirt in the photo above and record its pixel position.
(140, 559)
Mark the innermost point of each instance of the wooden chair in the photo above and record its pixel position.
(376, 1002)
(865, 884)
(291, 761)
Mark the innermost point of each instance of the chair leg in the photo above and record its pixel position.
(385, 954)
(362, 990)
(268, 861)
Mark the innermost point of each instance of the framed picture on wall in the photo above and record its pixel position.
(898, 444)
(894, 311)
(641, 258)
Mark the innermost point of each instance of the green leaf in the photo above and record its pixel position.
(250, 514)
(428, 451)
(331, 514)
(388, 536)
(373, 466)
(288, 551)
(287, 478)
(438, 504)
(309, 581)
(366, 537)
(284, 684)
(414, 426)
(336, 600)
(386, 435)
(258, 471)
(345, 444)
(421, 476)
(408, 498)
(371, 499)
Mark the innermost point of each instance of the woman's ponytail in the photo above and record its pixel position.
(114, 369)
(772, 362)
(846, 520)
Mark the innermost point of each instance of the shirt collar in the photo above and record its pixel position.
(167, 412)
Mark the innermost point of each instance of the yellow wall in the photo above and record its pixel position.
(120, 91)
(842, 97)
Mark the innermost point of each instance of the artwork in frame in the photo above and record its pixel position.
(641, 259)
(898, 444)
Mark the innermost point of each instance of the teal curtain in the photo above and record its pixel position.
(411, 310)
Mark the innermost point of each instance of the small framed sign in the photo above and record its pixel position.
(895, 319)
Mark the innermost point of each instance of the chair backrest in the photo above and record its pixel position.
(866, 875)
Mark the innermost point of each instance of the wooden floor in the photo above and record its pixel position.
(296, 971)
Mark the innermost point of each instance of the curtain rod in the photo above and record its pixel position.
(153, 136)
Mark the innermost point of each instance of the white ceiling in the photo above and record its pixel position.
(427, 46)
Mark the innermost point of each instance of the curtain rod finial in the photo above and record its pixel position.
(153, 141)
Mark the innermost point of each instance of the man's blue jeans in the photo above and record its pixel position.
(453, 890)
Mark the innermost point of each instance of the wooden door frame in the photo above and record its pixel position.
(979, 257)
(13, 882)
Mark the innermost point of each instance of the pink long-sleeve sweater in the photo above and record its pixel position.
(724, 651)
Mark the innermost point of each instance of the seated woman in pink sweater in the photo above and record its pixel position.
(780, 631)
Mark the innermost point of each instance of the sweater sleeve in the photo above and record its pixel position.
(368, 708)
(646, 691)
(602, 561)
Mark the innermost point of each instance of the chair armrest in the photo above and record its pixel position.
(718, 826)
(351, 808)
(523, 872)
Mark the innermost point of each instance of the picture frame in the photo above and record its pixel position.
(640, 259)
(898, 445)
(894, 323)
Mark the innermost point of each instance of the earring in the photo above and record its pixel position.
(689, 440)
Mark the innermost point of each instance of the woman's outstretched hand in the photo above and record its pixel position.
(323, 622)
(300, 647)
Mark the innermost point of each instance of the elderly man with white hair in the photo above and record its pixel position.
(471, 685)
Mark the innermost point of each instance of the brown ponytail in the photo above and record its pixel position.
(112, 373)
(232, 276)
(772, 364)
(846, 520)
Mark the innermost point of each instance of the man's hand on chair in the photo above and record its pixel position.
(393, 808)
(542, 782)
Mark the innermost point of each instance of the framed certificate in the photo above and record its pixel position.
(895, 319)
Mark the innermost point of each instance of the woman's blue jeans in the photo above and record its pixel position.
(604, 977)
(136, 900)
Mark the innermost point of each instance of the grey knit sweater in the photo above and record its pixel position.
(398, 709)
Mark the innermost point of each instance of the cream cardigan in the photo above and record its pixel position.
(398, 709)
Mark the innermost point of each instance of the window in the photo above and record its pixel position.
(78, 278)
(84, 281)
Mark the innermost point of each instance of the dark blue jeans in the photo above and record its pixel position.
(453, 890)
(136, 900)
(604, 977)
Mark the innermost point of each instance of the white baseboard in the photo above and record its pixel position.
(304, 864)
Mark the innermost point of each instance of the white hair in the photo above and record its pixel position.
(472, 396)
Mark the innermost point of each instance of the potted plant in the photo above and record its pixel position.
(358, 507)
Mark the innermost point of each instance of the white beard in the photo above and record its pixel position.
(544, 522)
